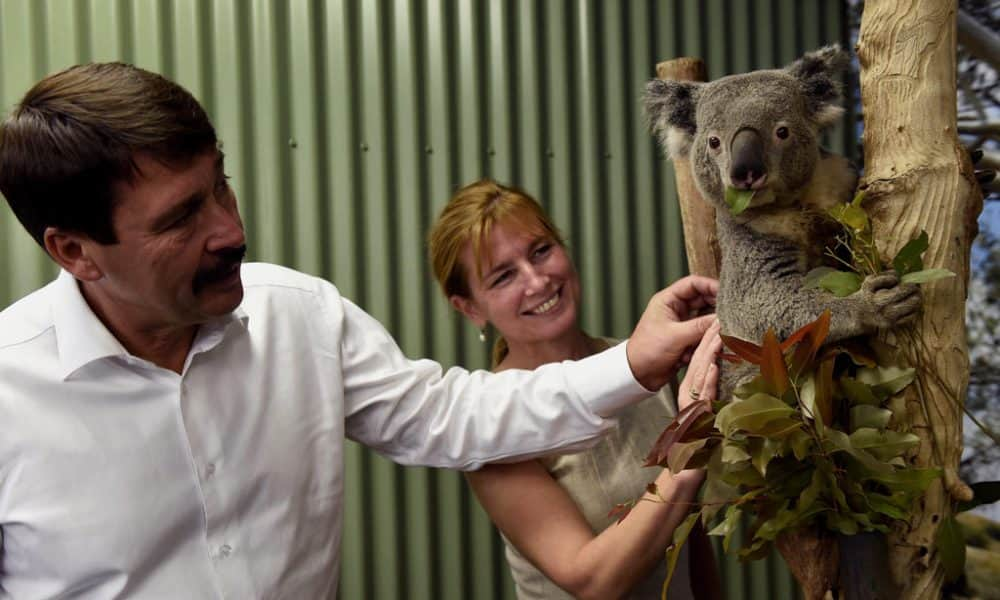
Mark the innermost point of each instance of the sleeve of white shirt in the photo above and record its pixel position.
(412, 412)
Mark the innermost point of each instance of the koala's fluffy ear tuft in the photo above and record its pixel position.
(670, 112)
(820, 74)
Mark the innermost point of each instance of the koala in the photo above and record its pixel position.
(760, 131)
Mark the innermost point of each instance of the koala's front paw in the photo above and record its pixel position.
(892, 303)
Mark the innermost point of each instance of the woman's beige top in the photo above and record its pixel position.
(597, 480)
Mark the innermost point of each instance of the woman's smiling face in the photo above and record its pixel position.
(527, 286)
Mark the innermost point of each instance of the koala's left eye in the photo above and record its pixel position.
(714, 142)
(782, 133)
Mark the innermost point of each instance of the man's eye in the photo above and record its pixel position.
(222, 184)
(182, 220)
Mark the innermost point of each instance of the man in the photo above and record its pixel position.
(173, 422)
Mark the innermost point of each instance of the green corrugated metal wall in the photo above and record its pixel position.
(346, 126)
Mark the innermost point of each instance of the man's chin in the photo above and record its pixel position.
(221, 298)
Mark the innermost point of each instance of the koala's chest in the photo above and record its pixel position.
(802, 233)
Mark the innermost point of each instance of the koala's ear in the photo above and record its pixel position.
(820, 74)
(670, 111)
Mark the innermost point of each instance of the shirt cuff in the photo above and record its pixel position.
(605, 381)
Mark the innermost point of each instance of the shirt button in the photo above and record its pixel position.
(209, 470)
(225, 550)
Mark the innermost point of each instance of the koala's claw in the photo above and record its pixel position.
(893, 303)
(883, 281)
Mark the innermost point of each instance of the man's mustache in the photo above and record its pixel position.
(227, 259)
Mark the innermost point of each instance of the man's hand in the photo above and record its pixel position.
(669, 328)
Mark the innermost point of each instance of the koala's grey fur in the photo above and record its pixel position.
(767, 250)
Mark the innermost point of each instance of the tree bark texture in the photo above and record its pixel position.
(918, 177)
(700, 241)
(704, 256)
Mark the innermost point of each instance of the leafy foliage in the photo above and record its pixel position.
(858, 242)
(806, 443)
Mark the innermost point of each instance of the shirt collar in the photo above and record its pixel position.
(81, 338)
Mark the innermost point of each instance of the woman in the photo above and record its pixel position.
(501, 261)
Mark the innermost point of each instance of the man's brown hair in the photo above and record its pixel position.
(77, 132)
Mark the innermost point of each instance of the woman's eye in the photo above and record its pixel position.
(500, 279)
(543, 250)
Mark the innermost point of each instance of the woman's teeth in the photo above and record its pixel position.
(546, 306)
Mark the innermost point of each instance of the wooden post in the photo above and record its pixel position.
(700, 241)
(918, 177)
(703, 255)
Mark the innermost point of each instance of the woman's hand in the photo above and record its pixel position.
(668, 329)
(702, 378)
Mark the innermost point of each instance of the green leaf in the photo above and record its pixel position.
(807, 396)
(864, 415)
(926, 275)
(842, 523)
(785, 519)
(857, 392)
(913, 481)
(886, 505)
(840, 283)
(751, 414)
(681, 534)
(763, 450)
(801, 443)
(886, 381)
(950, 543)
(883, 445)
(680, 454)
(811, 494)
(757, 385)
(814, 276)
(837, 440)
(738, 200)
(743, 474)
(850, 215)
(716, 491)
(733, 453)
(984, 492)
(728, 525)
(777, 429)
(908, 259)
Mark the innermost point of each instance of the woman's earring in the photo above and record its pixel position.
(482, 334)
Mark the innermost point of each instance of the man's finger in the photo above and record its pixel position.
(690, 331)
(694, 286)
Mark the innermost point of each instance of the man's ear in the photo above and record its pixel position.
(468, 309)
(70, 251)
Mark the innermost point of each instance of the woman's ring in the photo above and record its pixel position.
(693, 393)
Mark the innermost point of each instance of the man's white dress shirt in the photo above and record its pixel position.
(122, 479)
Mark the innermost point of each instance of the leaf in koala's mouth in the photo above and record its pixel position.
(738, 200)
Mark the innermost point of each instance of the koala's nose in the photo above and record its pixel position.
(747, 170)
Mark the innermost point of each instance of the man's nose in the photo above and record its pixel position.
(227, 227)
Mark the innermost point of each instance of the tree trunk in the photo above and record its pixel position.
(918, 177)
(703, 254)
(698, 216)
